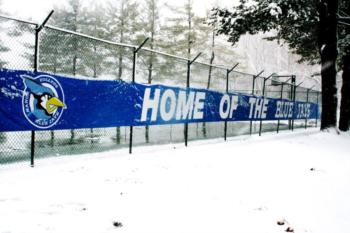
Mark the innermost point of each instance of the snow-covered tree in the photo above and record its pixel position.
(151, 26)
(122, 24)
(187, 32)
(3, 48)
(71, 47)
(94, 24)
(308, 27)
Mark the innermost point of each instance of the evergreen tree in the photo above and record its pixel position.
(186, 35)
(3, 63)
(220, 51)
(52, 52)
(308, 27)
(71, 47)
(3, 48)
(122, 26)
(93, 24)
(151, 26)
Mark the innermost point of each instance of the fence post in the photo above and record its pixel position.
(294, 100)
(189, 63)
(307, 101)
(317, 109)
(36, 53)
(135, 51)
(278, 121)
(263, 95)
(228, 71)
(253, 90)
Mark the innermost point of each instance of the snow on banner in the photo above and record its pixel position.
(41, 101)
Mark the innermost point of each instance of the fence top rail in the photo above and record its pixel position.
(89, 37)
(135, 47)
(17, 20)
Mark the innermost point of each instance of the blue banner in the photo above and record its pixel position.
(41, 101)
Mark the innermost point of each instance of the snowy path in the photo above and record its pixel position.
(243, 185)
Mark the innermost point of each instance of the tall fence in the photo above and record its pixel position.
(58, 51)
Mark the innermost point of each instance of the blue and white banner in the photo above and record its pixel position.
(41, 101)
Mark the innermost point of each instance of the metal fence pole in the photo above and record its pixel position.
(263, 95)
(294, 101)
(227, 80)
(189, 63)
(293, 92)
(278, 122)
(291, 98)
(307, 101)
(253, 93)
(135, 51)
(36, 57)
(317, 113)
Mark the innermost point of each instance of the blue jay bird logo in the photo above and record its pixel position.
(43, 100)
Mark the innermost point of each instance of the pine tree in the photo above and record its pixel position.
(95, 54)
(71, 47)
(186, 35)
(122, 26)
(3, 63)
(94, 24)
(151, 25)
(189, 32)
(3, 48)
(308, 27)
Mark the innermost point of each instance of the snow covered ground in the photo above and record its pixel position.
(244, 185)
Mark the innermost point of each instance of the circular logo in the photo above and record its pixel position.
(43, 100)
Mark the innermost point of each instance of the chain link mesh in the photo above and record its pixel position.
(65, 53)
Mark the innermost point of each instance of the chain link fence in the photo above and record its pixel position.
(69, 53)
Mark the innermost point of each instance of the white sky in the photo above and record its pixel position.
(38, 9)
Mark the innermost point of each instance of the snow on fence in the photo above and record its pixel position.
(63, 52)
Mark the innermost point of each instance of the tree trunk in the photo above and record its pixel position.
(344, 120)
(2, 137)
(52, 138)
(120, 65)
(52, 132)
(328, 50)
(72, 133)
(204, 127)
(150, 70)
